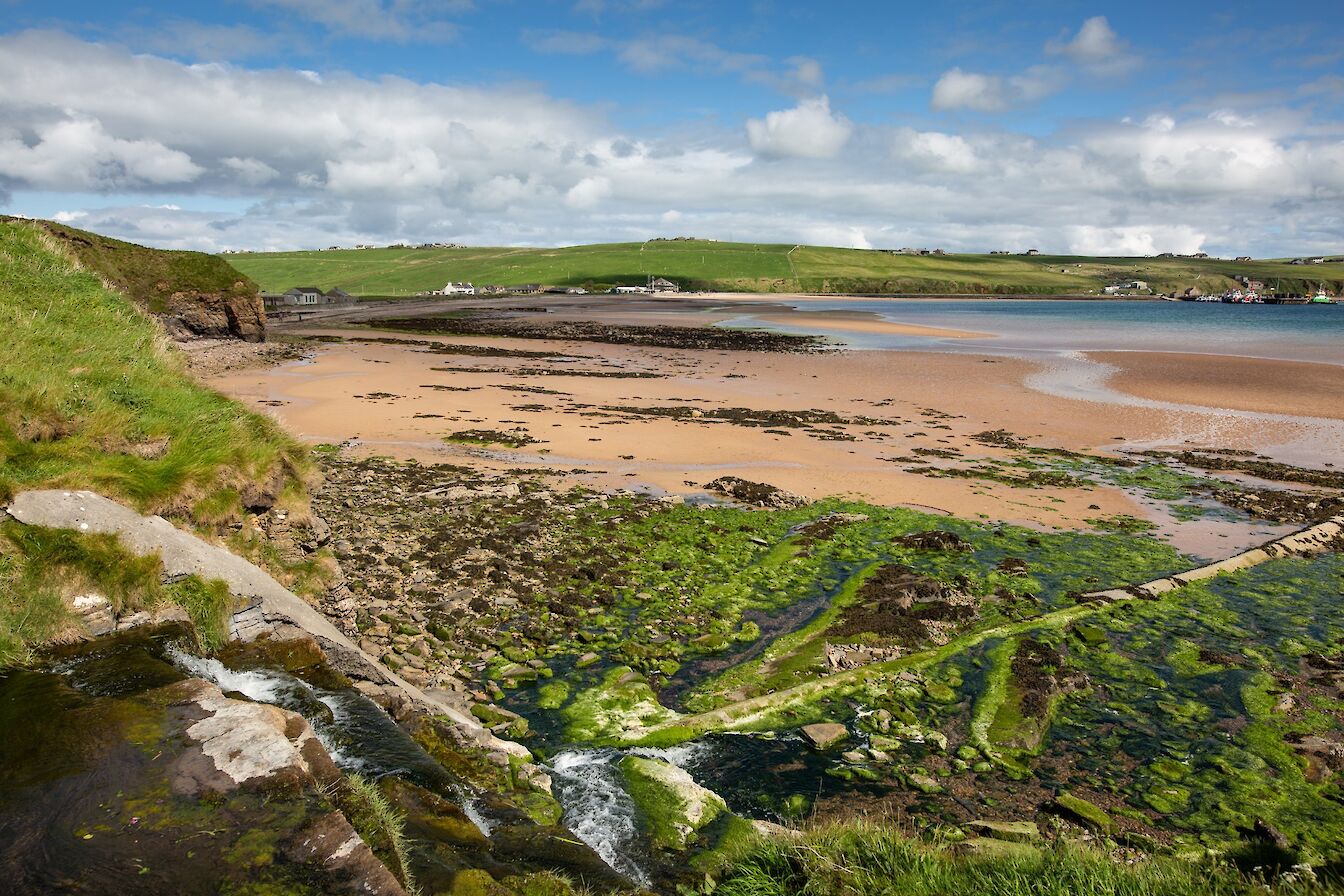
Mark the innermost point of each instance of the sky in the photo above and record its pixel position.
(1086, 128)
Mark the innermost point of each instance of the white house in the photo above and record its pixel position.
(459, 289)
(627, 290)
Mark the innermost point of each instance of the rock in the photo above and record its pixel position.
(586, 660)
(757, 494)
(675, 806)
(95, 613)
(1011, 831)
(331, 843)
(1013, 566)
(1084, 812)
(934, 540)
(477, 882)
(923, 783)
(516, 672)
(770, 829)
(1090, 635)
(235, 743)
(824, 735)
(853, 756)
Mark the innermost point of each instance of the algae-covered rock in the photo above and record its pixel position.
(477, 882)
(1084, 812)
(1090, 635)
(923, 783)
(1010, 831)
(621, 705)
(674, 807)
(824, 735)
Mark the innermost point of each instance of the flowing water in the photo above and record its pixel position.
(599, 811)
(356, 732)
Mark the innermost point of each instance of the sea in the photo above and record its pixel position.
(1029, 326)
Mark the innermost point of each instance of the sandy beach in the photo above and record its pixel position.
(859, 322)
(1297, 388)
(899, 427)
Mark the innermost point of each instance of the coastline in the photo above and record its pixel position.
(601, 415)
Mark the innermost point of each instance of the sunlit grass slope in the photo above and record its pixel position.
(747, 267)
(91, 395)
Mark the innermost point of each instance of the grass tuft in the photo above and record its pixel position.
(382, 827)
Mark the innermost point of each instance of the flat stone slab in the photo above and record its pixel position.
(825, 735)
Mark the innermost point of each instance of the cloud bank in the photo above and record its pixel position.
(294, 160)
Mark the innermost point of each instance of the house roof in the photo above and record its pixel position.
(305, 289)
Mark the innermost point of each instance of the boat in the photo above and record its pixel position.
(1321, 298)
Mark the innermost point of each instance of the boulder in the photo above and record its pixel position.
(331, 843)
(236, 743)
(674, 806)
(1085, 813)
(1010, 831)
(824, 735)
(757, 494)
(95, 613)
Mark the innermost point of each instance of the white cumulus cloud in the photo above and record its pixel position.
(810, 130)
(958, 89)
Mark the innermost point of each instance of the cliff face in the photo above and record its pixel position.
(237, 313)
(194, 294)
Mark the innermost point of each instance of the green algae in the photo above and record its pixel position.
(672, 818)
(622, 703)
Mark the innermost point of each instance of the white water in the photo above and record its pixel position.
(271, 687)
(473, 812)
(591, 788)
(263, 687)
(597, 808)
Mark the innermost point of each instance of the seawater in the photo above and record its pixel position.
(1282, 332)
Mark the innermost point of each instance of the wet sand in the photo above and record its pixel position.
(591, 428)
(862, 322)
(1297, 388)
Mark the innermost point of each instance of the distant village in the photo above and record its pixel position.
(300, 298)
(655, 285)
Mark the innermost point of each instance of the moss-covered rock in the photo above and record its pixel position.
(673, 806)
(1080, 810)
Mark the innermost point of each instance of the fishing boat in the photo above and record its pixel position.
(1321, 298)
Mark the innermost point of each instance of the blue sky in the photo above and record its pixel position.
(1132, 128)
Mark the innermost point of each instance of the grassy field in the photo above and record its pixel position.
(150, 277)
(747, 267)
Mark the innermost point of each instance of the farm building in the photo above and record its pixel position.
(306, 297)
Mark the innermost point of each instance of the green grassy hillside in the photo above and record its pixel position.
(747, 267)
(148, 276)
(91, 395)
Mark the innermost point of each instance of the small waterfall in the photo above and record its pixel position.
(263, 687)
(360, 737)
(597, 808)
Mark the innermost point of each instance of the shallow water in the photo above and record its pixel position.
(1283, 332)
